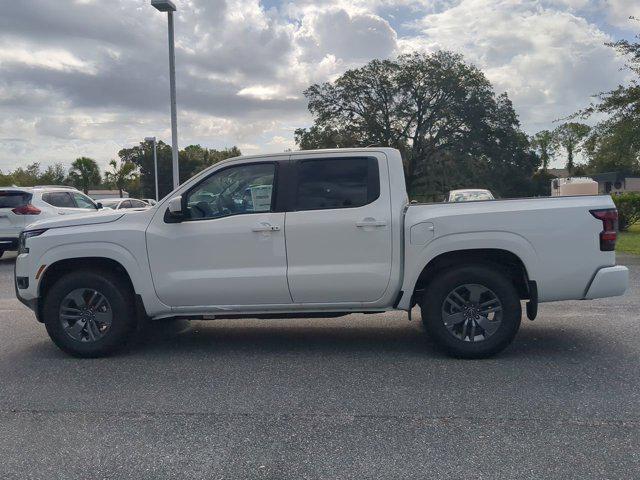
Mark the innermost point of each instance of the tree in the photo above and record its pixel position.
(439, 111)
(615, 142)
(543, 143)
(571, 136)
(55, 174)
(84, 173)
(27, 176)
(614, 147)
(192, 158)
(120, 176)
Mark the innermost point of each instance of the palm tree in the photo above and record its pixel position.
(544, 143)
(85, 173)
(121, 175)
(571, 136)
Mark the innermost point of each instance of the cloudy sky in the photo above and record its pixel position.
(88, 77)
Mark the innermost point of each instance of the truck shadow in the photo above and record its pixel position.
(217, 338)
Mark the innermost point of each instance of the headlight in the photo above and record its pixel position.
(22, 241)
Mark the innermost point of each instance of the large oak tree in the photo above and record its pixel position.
(438, 110)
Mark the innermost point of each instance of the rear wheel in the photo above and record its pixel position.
(89, 314)
(471, 311)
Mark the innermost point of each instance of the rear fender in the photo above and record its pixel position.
(417, 258)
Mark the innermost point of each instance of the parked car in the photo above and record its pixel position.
(470, 195)
(20, 206)
(123, 203)
(354, 243)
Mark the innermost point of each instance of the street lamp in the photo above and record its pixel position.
(169, 7)
(155, 162)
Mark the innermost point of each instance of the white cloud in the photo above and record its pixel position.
(549, 62)
(266, 92)
(619, 11)
(47, 58)
(81, 78)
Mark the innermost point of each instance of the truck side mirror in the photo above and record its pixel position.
(174, 213)
(175, 205)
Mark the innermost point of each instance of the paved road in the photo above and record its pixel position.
(357, 397)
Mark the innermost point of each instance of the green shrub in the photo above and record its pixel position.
(628, 205)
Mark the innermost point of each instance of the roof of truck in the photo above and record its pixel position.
(310, 152)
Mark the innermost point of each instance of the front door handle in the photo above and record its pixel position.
(371, 222)
(265, 227)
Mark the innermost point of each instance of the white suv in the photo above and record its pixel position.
(20, 206)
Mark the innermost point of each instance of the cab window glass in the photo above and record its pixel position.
(233, 191)
(337, 183)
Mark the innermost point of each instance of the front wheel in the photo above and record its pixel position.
(89, 313)
(471, 311)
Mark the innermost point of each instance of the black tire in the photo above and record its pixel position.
(433, 315)
(120, 298)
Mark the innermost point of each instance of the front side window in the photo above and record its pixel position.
(233, 191)
(84, 202)
(337, 183)
(125, 204)
(59, 199)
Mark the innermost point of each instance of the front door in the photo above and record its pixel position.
(339, 244)
(230, 250)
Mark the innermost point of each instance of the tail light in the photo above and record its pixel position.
(27, 209)
(609, 233)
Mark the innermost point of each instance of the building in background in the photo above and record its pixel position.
(562, 187)
(98, 194)
(614, 183)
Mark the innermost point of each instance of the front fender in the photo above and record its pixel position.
(135, 265)
(418, 257)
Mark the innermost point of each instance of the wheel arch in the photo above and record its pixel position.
(503, 260)
(59, 268)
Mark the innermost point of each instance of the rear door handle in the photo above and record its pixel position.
(265, 227)
(371, 222)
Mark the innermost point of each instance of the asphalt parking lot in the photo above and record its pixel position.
(355, 397)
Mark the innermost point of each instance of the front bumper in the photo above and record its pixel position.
(608, 282)
(31, 303)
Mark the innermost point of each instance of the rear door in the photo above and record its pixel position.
(339, 232)
(11, 224)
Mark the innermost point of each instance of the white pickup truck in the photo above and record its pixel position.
(316, 234)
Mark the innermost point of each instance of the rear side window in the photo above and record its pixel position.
(337, 183)
(59, 199)
(13, 199)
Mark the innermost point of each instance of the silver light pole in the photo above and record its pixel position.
(155, 162)
(169, 7)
